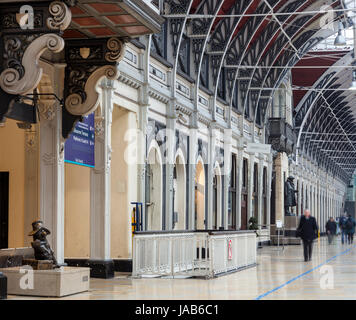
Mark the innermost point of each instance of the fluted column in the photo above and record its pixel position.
(51, 192)
(100, 211)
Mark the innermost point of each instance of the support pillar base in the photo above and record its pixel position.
(103, 269)
(3, 286)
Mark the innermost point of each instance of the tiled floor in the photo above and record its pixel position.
(278, 275)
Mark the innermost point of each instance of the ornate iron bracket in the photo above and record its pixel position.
(87, 64)
(26, 32)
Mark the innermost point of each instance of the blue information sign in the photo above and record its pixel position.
(79, 147)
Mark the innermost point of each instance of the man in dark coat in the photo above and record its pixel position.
(330, 229)
(308, 231)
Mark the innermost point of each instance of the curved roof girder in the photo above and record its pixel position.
(340, 107)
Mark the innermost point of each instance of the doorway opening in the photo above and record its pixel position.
(4, 209)
(200, 197)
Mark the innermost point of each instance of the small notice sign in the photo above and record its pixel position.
(279, 224)
(230, 249)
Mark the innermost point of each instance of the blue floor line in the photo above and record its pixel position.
(303, 274)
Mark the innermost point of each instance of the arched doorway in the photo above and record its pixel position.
(154, 189)
(200, 196)
(179, 194)
(217, 195)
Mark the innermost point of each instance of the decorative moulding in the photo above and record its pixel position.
(11, 80)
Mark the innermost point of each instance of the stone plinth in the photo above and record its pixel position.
(3, 287)
(38, 264)
(59, 282)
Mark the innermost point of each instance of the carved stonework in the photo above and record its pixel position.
(22, 44)
(22, 77)
(99, 126)
(30, 141)
(47, 110)
(60, 17)
(87, 64)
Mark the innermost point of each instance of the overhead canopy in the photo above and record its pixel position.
(105, 18)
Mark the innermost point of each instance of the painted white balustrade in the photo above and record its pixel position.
(192, 254)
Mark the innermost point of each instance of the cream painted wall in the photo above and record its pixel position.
(123, 184)
(12, 159)
(77, 211)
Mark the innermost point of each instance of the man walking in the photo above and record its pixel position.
(350, 229)
(330, 229)
(342, 222)
(308, 231)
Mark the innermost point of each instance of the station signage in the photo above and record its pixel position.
(258, 148)
(79, 147)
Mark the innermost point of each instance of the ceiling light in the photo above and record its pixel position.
(353, 83)
(340, 39)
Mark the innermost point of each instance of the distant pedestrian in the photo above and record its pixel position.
(342, 222)
(331, 229)
(350, 229)
(308, 231)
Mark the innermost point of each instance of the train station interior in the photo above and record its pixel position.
(177, 149)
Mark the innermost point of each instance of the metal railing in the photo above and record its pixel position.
(192, 253)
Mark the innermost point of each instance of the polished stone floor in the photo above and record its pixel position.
(279, 275)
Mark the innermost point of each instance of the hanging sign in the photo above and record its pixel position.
(79, 147)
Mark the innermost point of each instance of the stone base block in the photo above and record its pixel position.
(38, 264)
(3, 287)
(59, 282)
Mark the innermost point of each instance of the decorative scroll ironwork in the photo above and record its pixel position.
(86, 65)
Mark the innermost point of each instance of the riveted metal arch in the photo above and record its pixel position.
(308, 44)
(340, 110)
(304, 42)
(202, 28)
(240, 45)
(255, 54)
(329, 75)
(274, 76)
(223, 46)
(183, 7)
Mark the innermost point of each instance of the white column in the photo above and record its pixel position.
(193, 141)
(100, 191)
(269, 187)
(260, 190)
(239, 164)
(51, 192)
(226, 174)
(251, 163)
(209, 177)
(31, 180)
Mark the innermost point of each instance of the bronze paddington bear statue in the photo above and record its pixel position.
(40, 243)
(289, 196)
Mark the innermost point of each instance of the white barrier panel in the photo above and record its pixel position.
(202, 254)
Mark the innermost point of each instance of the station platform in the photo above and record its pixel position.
(280, 274)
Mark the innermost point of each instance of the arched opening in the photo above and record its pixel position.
(154, 190)
(217, 195)
(179, 194)
(200, 196)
